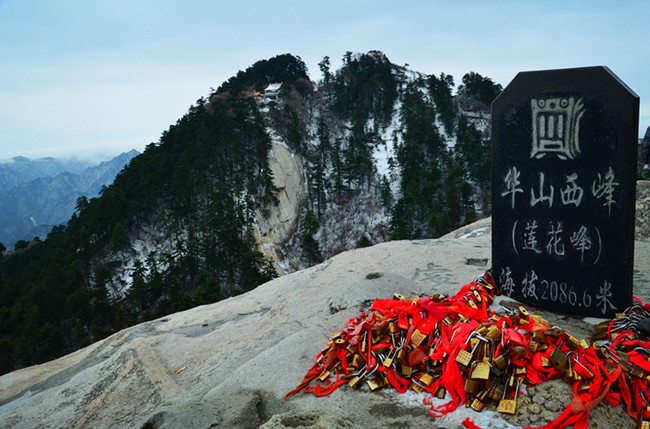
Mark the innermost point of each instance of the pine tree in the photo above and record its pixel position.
(308, 229)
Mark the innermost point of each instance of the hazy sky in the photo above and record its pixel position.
(91, 77)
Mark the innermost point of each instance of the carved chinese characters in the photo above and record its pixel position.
(563, 190)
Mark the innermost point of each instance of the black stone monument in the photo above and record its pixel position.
(564, 148)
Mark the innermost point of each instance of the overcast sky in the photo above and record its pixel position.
(90, 77)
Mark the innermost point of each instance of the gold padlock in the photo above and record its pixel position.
(584, 386)
(416, 338)
(373, 384)
(441, 392)
(426, 379)
(509, 406)
(473, 385)
(559, 359)
(538, 336)
(388, 362)
(479, 402)
(473, 342)
(399, 297)
(497, 392)
(554, 332)
(573, 342)
(482, 330)
(500, 362)
(355, 382)
(534, 346)
(406, 370)
(636, 371)
(402, 356)
(494, 333)
(416, 387)
(644, 423)
(464, 357)
(481, 371)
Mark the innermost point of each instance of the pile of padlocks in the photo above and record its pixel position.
(457, 347)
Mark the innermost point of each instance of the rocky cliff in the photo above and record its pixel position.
(229, 364)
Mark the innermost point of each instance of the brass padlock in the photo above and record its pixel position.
(324, 376)
(520, 350)
(644, 423)
(584, 386)
(355, 382)
(426, 379)
(500, 362)
(573, 342)
(399, 297)
(534, 346)
(636, 371)
(373, 384)
(494, 333)
(479, 402)
(441, 392)
(388, 362)
(520, 370)
(509, 406)
(497, 393)
(416, 387)
(559, 359)
(392, 328)
(402, 356)
(473, 342)
(554, 332)
(416, 338)
(473, 385)
(406, 370)
(480, 371)
(357, 361)
(482, 330)
(464, 357)
(538, 336)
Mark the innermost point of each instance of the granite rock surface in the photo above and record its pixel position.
(230, 363)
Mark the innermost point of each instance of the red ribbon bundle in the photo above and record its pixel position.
(433, 331)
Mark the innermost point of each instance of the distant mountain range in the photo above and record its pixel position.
(37, 194)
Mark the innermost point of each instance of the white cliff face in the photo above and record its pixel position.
(280, 222)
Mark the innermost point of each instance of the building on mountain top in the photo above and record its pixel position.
(271, 91)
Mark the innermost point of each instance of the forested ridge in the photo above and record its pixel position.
(176, 228)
